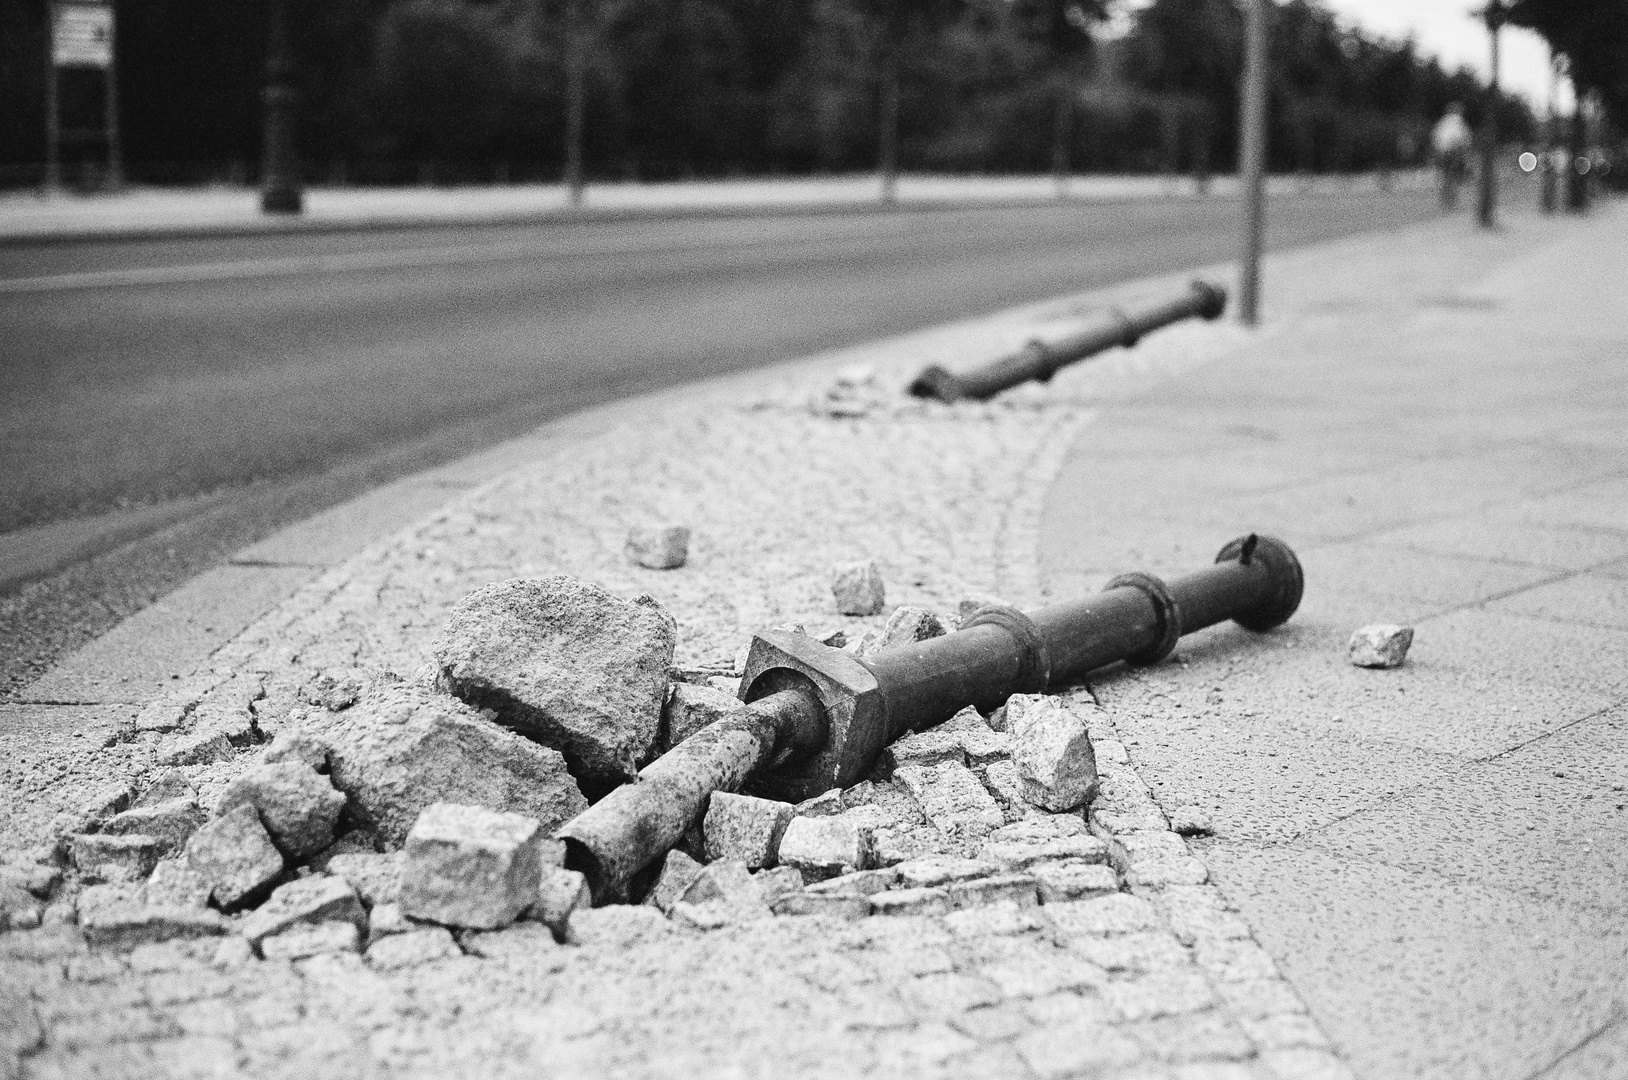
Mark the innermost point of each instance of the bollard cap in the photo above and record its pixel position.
(1288, 581)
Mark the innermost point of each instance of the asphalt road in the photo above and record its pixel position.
(181, 398)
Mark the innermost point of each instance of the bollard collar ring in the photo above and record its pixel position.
(1164, 606)
(1034, 660)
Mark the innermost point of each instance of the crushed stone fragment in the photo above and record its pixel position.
(1379, 645)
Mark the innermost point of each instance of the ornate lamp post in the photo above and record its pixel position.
(280, 188)
(1494, 15)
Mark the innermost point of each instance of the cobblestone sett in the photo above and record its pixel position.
(1305, 1065)
(826, 847)
(1068, 880)
(298, 806)
(101, 857)
(468, 866)
(923, 749)
(1120, 913)
(1001, 780)
(304, 900)
(170, 822)
(922, 901)
(1123, 804)
(122, 927)
(413, 947)
(1234, 959)
(1169, 992)
(689, 708)
(746, 828)
(1042, 973)
(1198, 912)
(236, 857)
(832, 905)
(1284, 1031)
(1206, 1036)
(952, 800)
(1260, 998)
(1002, 918)
(1020, 855)
(1016, 889)
(375, 876)
(1054, 1053)
(940, 870)
(314, 939)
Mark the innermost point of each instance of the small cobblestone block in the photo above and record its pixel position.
(923, 749)
(233, 951)
(778, 882)
(314, 899)
(952, 799)
(522, 941)
(174, 883)
(312, 939)
(728, 882)
(658, 547)
(559, 893)
(1198, 913)
(420, 946)
(1110, 752)
(1064, 881)
(931, 901)
(690, 708)
(387, 919)
(1017, 855)
(1051, 746)
(825, 847)
(1039, 828)
(298, 805)
(932, 870)
(1000, 918)
(907, 626)
(1001, 780)
(617, 926)
(1123, 804)
(831, 905)
(19, 909)
(1018, 889)
(204, 747)
(859, 883)
(824, 805)
(123, 927)
(375, 876)
(857, 587)
(678, 872)
(745, 828)
(171, 823)
(1135, 953)
(1381, 645)
(101, 857)
(294, 745)
(471, 867)
(1120, 913)
(162, 785)
(982, 743)
(236, 857)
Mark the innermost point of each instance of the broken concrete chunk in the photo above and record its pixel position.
(420, 946)
(1051, 747)
(931, 747)
(857, 587)
(568, 664)
(1381, 645)
(1061, 882)
(173, 883)
(103, 857)
(930, 870)
(163, 785)
(468, 866)
(678, 871)
(824, 847)
(907, 626)
(559, 893)
(334, 690)
(844, 906)
(658, 547)
(312, 939)
(690, 708)
(744, 827)
(124, 926)
(401, 748)
(202, 747)
(376, 877)
(297, 805)
(235, 857)
(952, 799)
(171, 823)
(304, 900)
(300, 746)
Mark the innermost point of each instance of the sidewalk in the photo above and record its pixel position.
(139, 212)
(1405, 420)
(1437, 855)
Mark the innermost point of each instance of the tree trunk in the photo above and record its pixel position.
(888, 150)
(1061, 130)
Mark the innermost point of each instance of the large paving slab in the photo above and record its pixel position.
(1435, 854)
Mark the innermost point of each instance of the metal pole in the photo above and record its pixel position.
(1252, 160)
(115, 149)
(888, 151)
(53, 108)
(1487, 209)
(1576, 178)
(280, 189)
(575, 99)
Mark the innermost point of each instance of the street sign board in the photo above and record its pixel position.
(82, 33)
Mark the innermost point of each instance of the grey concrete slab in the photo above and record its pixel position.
(1594, 749)
(1603, 1057)
(135, 660)
(1500, 824)
(1415, 975)
(51, 756)
(1563, 655)
(1560, 546)
(1602, 504)
(1586, 599)
(1420, 582)
(334, 535)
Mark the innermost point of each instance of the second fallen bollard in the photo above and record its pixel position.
(1041, 360)
(815, 718)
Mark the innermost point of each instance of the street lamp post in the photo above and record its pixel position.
(1252, 160)
(280, 188)
(1494, 14)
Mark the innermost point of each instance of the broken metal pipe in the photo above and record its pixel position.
(815, 718)
(1041, 360)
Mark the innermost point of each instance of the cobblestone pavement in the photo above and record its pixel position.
(1156, 978)
(1436, 855)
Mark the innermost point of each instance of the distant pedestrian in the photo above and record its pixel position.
(1450, 147)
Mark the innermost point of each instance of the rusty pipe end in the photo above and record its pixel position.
(1286, 582)
(938, 383)
(1212, 300)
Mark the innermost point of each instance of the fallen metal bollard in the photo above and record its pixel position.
(1040, 360)
(816, 718)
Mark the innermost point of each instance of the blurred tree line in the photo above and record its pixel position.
(458, 90)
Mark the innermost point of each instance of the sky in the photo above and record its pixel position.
(1447, 30)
